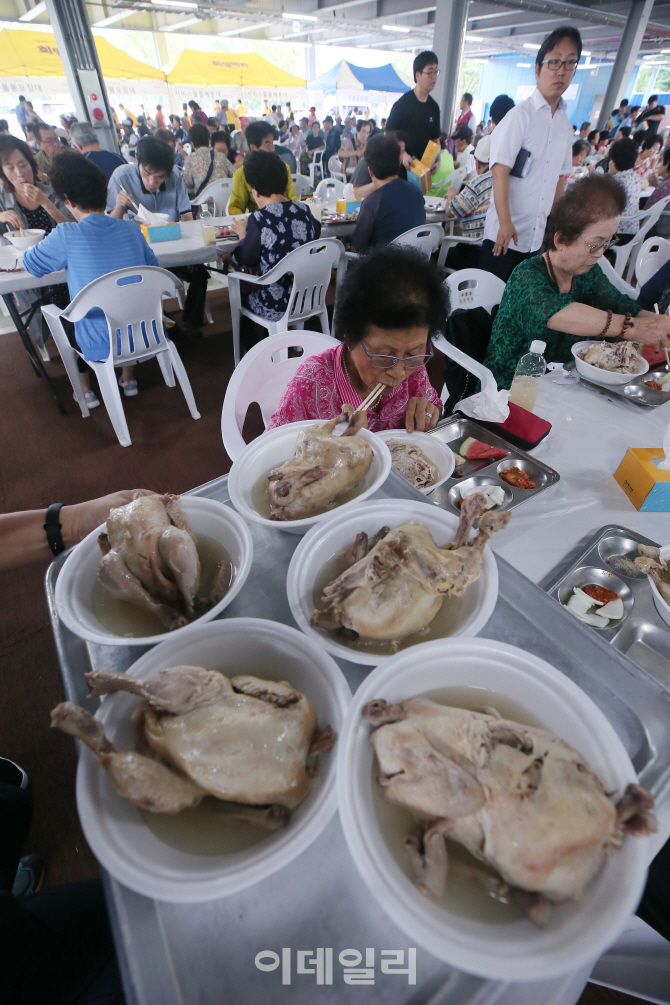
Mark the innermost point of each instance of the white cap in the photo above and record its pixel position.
(537, 346)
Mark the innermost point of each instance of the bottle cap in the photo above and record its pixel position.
(537, 346)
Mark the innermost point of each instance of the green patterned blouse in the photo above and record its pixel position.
(530, 300)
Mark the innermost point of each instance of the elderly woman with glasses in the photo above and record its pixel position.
(562, 296)
(387, 309)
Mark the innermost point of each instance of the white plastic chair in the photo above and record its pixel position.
(311, 266)
(262, 377)
(426, 238)
(455, 179)
(336, 169)
(654, 253)
(301, 183)
(626, 254)
(330, 189)
(316, 165)
(131, 300)
(620, 284)
(470, 288)
(219, 191)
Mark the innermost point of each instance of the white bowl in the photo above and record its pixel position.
(77, 578)
(661, 605)
(578, 932)
(435, 451)
(599, 376)
(329, 538)
(28, 239)
(274, 447)
(115, 829)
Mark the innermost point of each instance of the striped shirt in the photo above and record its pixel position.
(471, 204)
(89, 249)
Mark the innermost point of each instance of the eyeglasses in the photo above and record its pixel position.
(556, 64)
(388, 362)
(595, 248)
(431, 73)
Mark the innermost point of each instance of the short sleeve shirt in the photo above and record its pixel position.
(171, 198)
(549, 139)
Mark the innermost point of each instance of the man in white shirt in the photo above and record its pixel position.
(466, 152)
(539, 126)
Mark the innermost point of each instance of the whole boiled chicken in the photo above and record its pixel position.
(649, 562)
(150, 558)
(323, 467)
(250, 743)
(619, 357)
(516, 797)
(396, 583)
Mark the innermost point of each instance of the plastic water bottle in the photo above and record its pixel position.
(529, 370)
(207, 221)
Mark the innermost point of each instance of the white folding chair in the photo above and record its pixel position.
(262, 377)
(451, 238)
(336, 169)
(316, 165)
(626, 254)
(131, 300)
(330, 189)
(456, 179)
(219, 191)
(301, 183)
(311, 266)
(426, 238)
(470, 288)
(620, 284)
(654, 253)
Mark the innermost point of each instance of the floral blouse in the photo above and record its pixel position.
(320, 386)
(273, 232)
(197, 166)
(632, 185)
(530, 300)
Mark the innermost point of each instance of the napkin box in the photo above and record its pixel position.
(161, 232)
(420, 175)
(647, 487)
(342, 206)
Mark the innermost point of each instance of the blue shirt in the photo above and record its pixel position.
(21, 113)
(97, 245)
(105, 160)
(387, 213)
(171, 198)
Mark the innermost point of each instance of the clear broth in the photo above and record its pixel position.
(123, 618)
(202, 831)
(463, 895)
(441, 626)
(260, 496)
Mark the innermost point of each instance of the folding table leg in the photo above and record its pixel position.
(38, 366)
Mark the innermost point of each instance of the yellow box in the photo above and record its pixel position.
(430, 153)
(420, 175)
(647, 488)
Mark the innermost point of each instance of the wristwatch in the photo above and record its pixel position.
(53, 527)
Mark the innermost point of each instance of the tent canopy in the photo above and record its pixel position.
(35, 54)
(245, 69)
(348, 77)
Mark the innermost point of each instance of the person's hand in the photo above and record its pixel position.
(10, 217)
(31, 196)
(406, 160)
(79, 520)
(240, 226)
(506, 234)
(421, 415)
(123, 200)
(452, 192)
(653, 330)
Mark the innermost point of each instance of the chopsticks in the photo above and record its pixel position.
(371, 398)
(135, 207)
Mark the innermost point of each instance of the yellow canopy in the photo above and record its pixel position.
(237, 70)
(35, 54)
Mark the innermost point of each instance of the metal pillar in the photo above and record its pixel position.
(72, 29)
(448, 36)
(624, 64)
(310, 62)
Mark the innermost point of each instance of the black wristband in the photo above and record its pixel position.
(52, 526)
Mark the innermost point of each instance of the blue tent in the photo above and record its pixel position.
(347, 77)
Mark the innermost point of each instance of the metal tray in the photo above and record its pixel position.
(203, 953)
(452, 432)
(635, 390)
(641, 634)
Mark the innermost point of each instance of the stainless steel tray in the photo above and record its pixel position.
(635, 391)
(452, 432)
(641, 634)
(204, 953)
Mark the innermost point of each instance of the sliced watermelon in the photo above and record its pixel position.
(475, 450)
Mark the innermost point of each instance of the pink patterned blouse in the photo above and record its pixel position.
(320, 387)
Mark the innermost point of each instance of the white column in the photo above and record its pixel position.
(448, 37)
(624, 63)
(310, 62)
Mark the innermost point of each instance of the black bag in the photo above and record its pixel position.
(469, 331)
